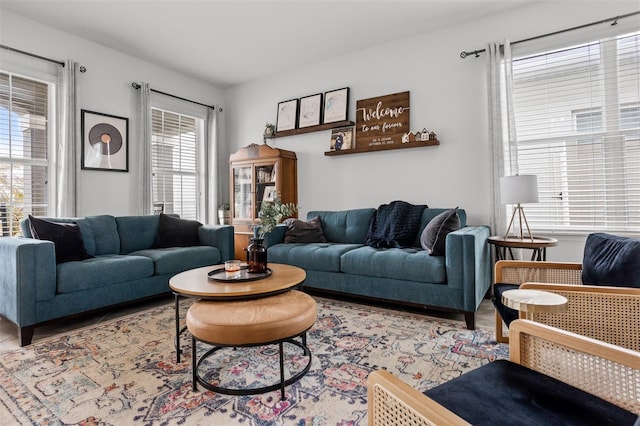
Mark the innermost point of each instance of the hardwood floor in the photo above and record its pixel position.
(9, 334)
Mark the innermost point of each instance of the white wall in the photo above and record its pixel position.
(105, 87)
(448, 95)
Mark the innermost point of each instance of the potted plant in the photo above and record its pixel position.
(269, 131)
(271, 213)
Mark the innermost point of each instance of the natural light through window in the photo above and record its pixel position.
(577, 122)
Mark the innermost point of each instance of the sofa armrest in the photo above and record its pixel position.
(393, 402)
(468, 263)
(27, 275)
(599, 312)
(220, 236)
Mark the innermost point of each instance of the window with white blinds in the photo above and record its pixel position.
(577, 127)
(24, 156)
(174, 141)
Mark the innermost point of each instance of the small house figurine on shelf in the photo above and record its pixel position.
(433, 135)
(424, 136)
(269, 131)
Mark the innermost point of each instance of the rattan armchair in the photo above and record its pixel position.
(610, 314)
(607, 371)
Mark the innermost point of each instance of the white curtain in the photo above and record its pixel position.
(67, 142)
(213, 178)
(142, 148)
(501, 125)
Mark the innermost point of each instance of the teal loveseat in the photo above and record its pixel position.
(456, 282)
(124, 266)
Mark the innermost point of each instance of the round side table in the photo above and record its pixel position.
(533, 302)
(538, 245)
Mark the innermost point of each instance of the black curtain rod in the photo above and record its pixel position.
(137, 86)
(32, 55)
(614, 21)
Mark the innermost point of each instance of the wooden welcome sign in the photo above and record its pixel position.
(382, 121)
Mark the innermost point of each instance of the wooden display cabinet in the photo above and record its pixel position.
(257, 173)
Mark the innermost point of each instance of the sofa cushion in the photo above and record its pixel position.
(105, 234)
(176, 232)
(102, 271)
(521, 396)
(313, 256)
(66, 237)
(345, 227)
(177, 259)
(137, 232)
(299, 231)
(611, 260)
(435, 233)
(402, 264)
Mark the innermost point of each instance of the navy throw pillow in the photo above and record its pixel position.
(435, 233)
(176, 232)
(611, 260)
(66, 237)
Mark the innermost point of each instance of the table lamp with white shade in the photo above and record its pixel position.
(519, 189)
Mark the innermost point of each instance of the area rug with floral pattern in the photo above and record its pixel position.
(124, 371)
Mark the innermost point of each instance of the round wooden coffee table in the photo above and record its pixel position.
(196, 283)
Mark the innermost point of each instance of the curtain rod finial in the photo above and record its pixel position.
(135, 85)
(463, 54)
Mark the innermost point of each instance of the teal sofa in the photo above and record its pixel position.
(456, 282)
(125, 267)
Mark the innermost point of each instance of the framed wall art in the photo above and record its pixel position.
(310, 110)
(287, 115)
(105, 142)
(342, 139)
(336, 105)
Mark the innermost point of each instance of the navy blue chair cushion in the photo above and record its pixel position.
(611, 260)
(507, 314)
(506, 393)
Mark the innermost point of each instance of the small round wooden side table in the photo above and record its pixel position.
(538, 245)
(533, 302)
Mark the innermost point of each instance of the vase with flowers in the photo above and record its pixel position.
(271, 213)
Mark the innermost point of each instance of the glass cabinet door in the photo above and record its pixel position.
(265, 179)
(242, 188)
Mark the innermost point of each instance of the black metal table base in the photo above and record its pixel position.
(197, 378)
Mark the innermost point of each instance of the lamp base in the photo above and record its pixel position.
(521, 216)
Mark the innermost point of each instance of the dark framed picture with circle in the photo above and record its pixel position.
(105, 142)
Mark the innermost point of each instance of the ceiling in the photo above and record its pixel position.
(230, 42)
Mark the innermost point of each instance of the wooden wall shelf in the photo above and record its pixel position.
(396, 145)
(310, 129)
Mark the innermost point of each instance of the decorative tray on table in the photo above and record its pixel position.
(219, 274)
